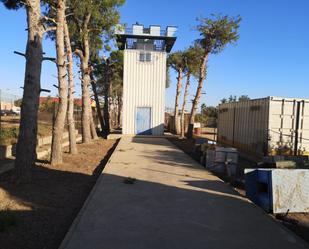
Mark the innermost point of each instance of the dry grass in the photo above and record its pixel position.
(10, 129)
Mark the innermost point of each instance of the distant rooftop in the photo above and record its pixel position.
(132, 38)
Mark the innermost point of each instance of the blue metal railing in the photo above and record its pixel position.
(146, 31)
(156, 45)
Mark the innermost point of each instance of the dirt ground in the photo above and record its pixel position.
(38, 215)
(298, 223)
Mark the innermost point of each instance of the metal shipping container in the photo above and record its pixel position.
(278, 190)
(266, 126)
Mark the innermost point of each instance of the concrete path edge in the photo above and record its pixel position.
(82, 210)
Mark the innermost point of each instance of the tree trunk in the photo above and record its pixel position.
(71, 120)
(110, 107)
(106, 129)
(56, 151)
(185, 96)
(86, 104)
(97, 102)
(197, 97)
(27, 138)
(178, 91)
(84, 54)
(119, 111)
(92, 126)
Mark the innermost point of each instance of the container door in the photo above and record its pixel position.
(302, 134)
(283, 122)
(143, 121)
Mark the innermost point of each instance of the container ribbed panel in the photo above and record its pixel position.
(144, 86)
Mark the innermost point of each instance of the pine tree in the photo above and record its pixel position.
(215, 34)
(177, 62)
(27, 138)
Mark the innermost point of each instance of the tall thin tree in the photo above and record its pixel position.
(56, 151)
(191, 55)
(91, 19)
(27, 138)
(71, 120)
(177, 62)
(215, 33)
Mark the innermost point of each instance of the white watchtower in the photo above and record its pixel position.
(144, 77)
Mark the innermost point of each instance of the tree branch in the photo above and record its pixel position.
(49, 59)
(70, 14)
(79, 53)
(25, 3)
(99, 30)
(45, 90)
(48, 29)
(19, 53)
(46, 18)
(86, 21)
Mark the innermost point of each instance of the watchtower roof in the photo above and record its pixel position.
(139, 32)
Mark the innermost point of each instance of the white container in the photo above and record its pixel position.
(171, 31)
(137, 29)
(155, 30)
(267, 126)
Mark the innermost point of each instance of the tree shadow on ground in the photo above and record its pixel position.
(149, 214)
(44, 209)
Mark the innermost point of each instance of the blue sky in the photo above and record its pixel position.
(271, 57)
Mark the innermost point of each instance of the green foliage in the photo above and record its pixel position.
(177, 61)
(216, 32)
(12, 4)
(233, 98)
(103, 15)
(209, 111)
(208, 116)
(8, 135)
(223, 101)
(200, 118)
(243, 98)
(192, 56)
(109, 71)
(116, 72)
(18, 102)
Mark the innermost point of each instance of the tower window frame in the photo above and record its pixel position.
(145, 56)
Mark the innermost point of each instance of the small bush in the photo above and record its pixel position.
(8, 135)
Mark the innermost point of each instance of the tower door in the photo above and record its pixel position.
(143, 121)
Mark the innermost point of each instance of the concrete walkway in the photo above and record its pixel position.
(173, 204)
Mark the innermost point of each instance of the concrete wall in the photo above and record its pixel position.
(144, 86)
